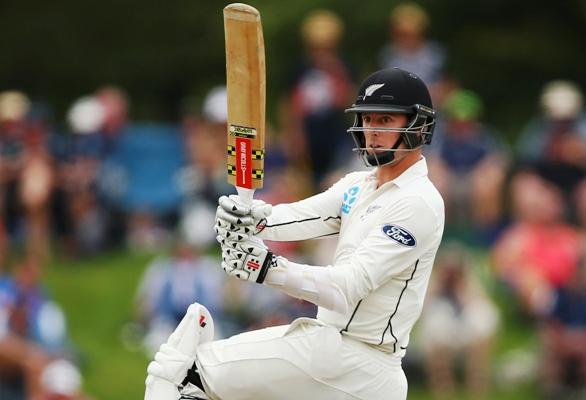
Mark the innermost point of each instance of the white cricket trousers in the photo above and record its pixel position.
(306, 360)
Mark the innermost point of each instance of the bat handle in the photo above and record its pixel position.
(245, 195)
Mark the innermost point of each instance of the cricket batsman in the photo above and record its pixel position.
(389, 222)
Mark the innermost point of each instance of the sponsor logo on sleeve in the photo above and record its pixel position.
(350, 197)
(399, 235)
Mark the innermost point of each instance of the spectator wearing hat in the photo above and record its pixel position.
(472, 178)
(410, 49)
(203, 178)
(554, 142)
(560, 125)
(320, 88)
(80, 219)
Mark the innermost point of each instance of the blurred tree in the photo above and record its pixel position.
(164, 52)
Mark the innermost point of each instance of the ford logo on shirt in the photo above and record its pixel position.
(399, 235)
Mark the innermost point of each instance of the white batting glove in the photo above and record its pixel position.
(226, 231)
(168, 371)
(170, 364)
(248, 260)
(235, 217)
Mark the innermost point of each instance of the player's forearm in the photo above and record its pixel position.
(300, 221)
(310, 283)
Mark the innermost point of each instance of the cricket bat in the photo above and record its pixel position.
(246, 85)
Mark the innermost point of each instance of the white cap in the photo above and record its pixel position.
(561, 100)
(215, 105)
(14, 105)
(86, 115)
(61, 377)
(195, 225)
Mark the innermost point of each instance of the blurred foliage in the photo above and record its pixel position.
(166, 53)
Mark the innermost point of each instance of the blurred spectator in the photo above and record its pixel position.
(26, 174)
(114, 102)
(468, 164)
(408, 47)
(33, 340)
(138, 181)
(61, 380)
(579, 207)
(564, 339)
(80, 217)
(539, 251)
(321, 88)
(203, 179)
(458, 324)
(86, 213)
(286, 186)
(170, 284)
(249, 307)
(554, 142)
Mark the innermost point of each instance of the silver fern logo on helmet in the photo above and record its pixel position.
(372, 88)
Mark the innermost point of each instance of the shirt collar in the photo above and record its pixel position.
(417, 170)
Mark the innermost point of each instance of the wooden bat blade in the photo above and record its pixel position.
(246, 85)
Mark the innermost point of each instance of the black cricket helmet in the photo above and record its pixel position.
(393, 90)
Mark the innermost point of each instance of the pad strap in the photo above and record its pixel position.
(193, 377)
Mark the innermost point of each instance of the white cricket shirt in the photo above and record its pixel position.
(388, 238)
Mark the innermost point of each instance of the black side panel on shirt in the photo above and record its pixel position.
(390, 324)
(351, 318)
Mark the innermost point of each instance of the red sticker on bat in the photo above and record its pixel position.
(243, 163)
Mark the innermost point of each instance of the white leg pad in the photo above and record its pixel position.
(177, 355)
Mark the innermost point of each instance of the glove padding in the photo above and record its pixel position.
(175, 357)
(231, 232)
(170, 364)
(232, 215)
(248, 260)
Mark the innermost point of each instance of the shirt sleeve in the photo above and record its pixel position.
(385, 253)
(311, 218)
(400, 237)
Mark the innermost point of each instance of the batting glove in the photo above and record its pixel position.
(248, 260)
(168, 371)
(238, 221)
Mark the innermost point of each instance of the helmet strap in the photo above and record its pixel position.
(385, 157)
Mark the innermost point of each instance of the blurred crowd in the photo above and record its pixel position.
(515, 240)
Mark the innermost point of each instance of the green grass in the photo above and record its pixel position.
(97, 295)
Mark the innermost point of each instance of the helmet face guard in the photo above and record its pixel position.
(393, 91)
(417, 132)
